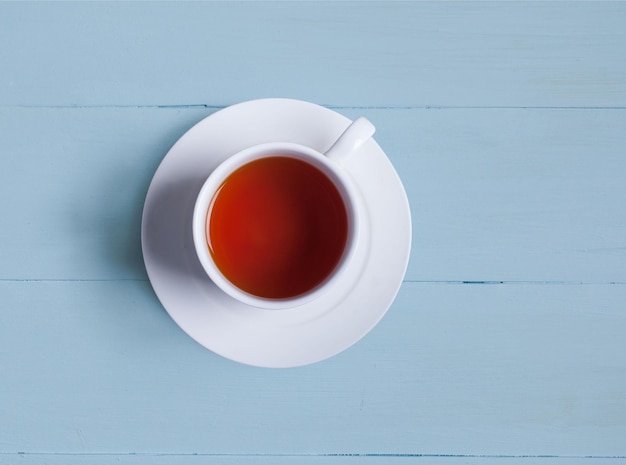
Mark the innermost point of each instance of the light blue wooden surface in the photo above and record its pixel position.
(507, 124)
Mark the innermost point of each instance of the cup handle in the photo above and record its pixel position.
(351, 139)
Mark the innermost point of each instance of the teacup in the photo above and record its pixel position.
(277, 224)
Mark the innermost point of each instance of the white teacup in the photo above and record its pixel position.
(276, 225)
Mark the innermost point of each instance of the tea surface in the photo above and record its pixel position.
(277, 227)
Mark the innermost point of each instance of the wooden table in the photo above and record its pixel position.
(507, 342)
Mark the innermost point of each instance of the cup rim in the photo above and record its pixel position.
(338, 175)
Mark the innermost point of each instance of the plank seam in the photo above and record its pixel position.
(331, 106)
(382, 455)
(407, 281)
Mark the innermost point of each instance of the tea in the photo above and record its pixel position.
(277, 227)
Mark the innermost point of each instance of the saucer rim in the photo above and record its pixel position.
(402, 208)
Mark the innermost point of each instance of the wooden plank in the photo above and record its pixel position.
(335, 53)
(496, 194)
(465, 370)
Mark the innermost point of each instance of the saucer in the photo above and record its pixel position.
(273, 338)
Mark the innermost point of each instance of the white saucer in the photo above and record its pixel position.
(273, 338)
